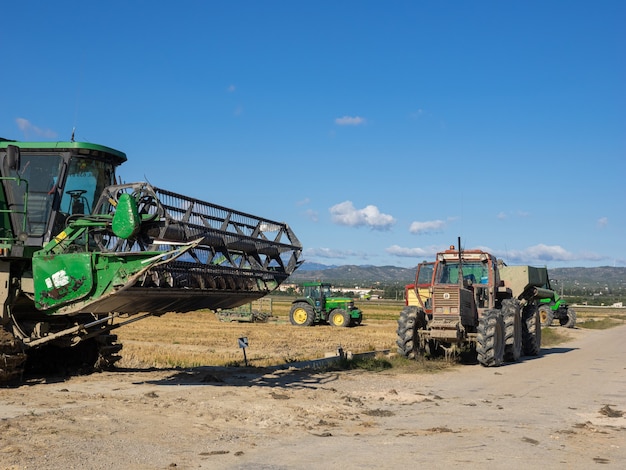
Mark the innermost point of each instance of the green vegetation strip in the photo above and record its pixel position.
(601, 323)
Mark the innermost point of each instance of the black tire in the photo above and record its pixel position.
(339, 317)
(546, 315)
(490, 339)
(531, 331)
(433, 349)
(108, 349)
(301, 314)
(411, 320)
(511, 313)
(12, 358)
(570, 320)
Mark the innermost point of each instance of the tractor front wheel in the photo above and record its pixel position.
(408, 341)
(546, 315)
(301, 314)
(339, 317)
(568, 321)
(490, 339)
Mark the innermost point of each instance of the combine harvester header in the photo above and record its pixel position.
(77, 250)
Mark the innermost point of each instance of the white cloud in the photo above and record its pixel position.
(345, 213)
(332, 254)
(405, 252)
(29, 129)
(312, 215)
(537, 255)
(542, 254)
(603, 222)
(548, 253)
(231, 88)
(350, 121)
(521, 214)
(430, 226)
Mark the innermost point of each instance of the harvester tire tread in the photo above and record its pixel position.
(108, 349)
(511, 313)
(490, 339)
(12, 358)
(531, 331)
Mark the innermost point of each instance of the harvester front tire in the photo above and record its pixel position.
(512, 330)
(490, 339)
(411, 320)
(301, 314)
(546, 315)
(108, 349)
(531, 331)
(12, 358)
(339, 317)
(570, 320)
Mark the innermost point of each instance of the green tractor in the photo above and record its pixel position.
(318, 305)
(555, 308)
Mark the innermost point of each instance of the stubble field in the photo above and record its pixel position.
(201, 338)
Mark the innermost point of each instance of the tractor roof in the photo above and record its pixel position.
(81, 148)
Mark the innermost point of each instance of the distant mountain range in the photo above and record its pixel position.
(367, 275)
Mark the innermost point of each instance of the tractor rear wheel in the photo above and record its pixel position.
(490, 339)
(546, 315)
(301, 314)
(412, 319)
(570, 320)
(512, 330)
(531, 331)
(339, 317)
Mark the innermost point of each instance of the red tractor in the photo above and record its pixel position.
(466, 305)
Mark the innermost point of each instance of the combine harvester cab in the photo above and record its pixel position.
(77, 251)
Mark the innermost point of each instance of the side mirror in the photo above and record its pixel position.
(13, 158)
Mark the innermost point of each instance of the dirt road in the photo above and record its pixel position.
(560, 410)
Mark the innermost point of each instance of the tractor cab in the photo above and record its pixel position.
(318, 293)
(475, 273)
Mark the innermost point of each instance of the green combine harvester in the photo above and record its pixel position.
(81, 256)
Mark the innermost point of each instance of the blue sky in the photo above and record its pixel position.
(379, 131)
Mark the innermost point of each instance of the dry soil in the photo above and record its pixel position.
(563, 409)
